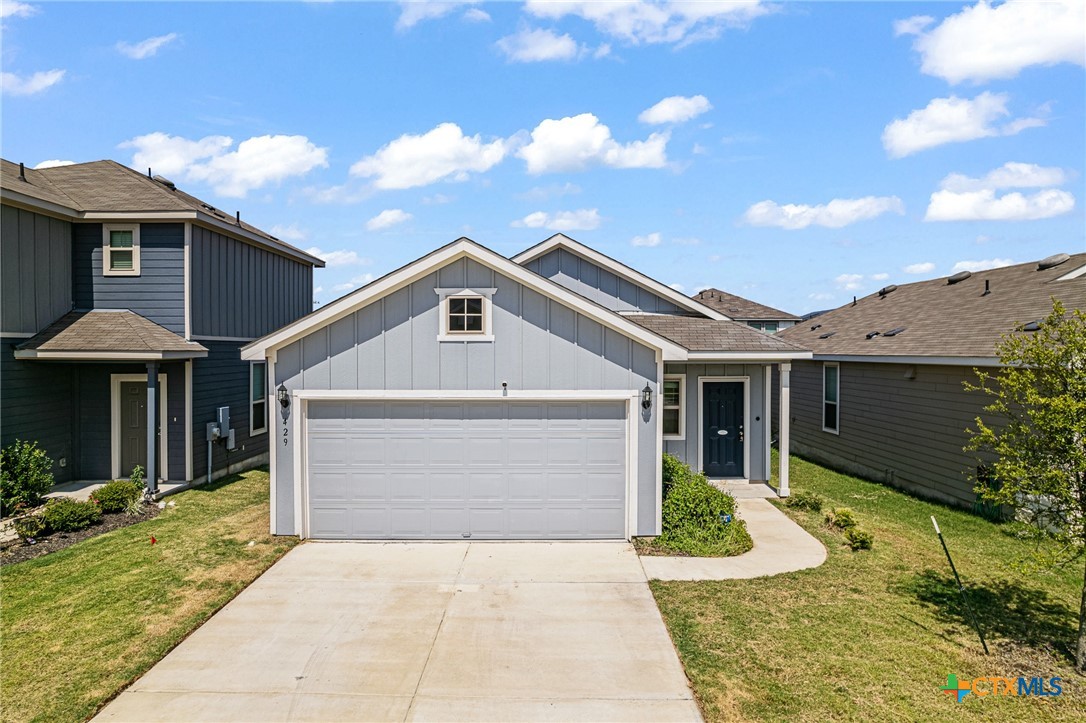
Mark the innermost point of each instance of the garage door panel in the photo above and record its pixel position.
(474, 470)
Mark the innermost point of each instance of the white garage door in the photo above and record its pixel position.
(466, 470)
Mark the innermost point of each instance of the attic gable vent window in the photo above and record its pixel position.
(120, 250)
(466, 314)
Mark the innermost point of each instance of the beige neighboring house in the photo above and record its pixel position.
(759, 316)
(883, 396)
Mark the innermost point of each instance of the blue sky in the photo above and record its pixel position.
(793, 153)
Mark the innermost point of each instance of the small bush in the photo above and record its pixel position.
(134, 507)
(25, 476)
(692, 516)
(805, 501)
(137, 476)
(859, 539)
(68, 515)
(843, 518)
(117, 495)
(28, 528)
(674, 471)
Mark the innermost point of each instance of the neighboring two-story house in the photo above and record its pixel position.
(125, 302)
(759, 316)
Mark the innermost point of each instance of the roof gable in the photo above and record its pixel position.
(619, 269)
(741, 309)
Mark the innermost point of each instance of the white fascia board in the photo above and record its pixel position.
(619, 269)
(107, 355)
(428, 264)
(958, 361)
(593, 395)
(774, 356)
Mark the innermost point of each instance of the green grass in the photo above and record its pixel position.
(872, 635)
(80, 624)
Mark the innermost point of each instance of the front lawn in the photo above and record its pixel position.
(872, 635)
(80, 624)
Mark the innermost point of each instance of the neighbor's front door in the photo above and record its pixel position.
(133, 426)
(722, 433)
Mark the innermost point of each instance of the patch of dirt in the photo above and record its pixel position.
(647, 546)
(18, 551)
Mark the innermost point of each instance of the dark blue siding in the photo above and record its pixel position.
(95, 428)
(222, 380)
(36, 404)
(35, 270)
(158, 293)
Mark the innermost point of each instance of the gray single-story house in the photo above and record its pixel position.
(883, 397)
(468, 395)
(124, 304)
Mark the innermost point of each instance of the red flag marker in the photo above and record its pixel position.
(153, 540)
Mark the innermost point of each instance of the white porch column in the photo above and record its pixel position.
(152, 427)
(785, 422)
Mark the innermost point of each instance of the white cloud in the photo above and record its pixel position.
(686, 240)
(635, 21)
(413, 12)
(14, 9)
(342, 257)
(53, 164)
(819, 296)
(603, 51)
(437, 199)
(879, 277)
(354, 283)
(538, 45)
(585, 219)
(923, 267)
(981, 265)
(1009, 175)
(952, 120)
(984, 205)
(675, 109)
(983, 42)
(293, 233)
(678, 287)
(145, 48)
(849, 282)
(835, 214)
(652, 239)
(579, 142)
(912, 26)
(387, 218)
(476, 15)
(442, 153)
(255, 162)
(14, 84)
(545, 193)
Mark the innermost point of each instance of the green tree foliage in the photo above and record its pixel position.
(1038, 396)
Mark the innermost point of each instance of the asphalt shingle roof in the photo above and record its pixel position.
(108, 331)
(943, 319)
(740, 309)
(707, 335)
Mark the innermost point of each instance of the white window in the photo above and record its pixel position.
(831, 391)
(673, 398)
(465, 314)
(120, 250)
(258, 398)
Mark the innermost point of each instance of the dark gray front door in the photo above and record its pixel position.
(133, 426)
(722, 437)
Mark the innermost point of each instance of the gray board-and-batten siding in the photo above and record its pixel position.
(539, 344)
(35, 253)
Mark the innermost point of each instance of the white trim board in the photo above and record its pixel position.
(619, 269)
(109, 355)
(461, 248)
(300, 415)
(115, 421)
(748, 356)
(746, 422)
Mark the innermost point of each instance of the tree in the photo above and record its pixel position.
(1039, 442)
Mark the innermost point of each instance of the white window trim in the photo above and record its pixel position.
(746, 416)
(106, 251)
(837, 404)
(487, 333)
(681, 378)
(253, 430)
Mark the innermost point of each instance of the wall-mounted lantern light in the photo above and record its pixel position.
(646, 396)
(283, 396)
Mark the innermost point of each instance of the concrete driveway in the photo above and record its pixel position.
(440, 631)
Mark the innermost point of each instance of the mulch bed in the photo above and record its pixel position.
(18, 551)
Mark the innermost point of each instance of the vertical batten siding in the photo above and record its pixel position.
(755, 429)
(36, 404)
(905, 432)
(158, 293)
(598, 284)
(35, 270)
(242, 291)
(539, 344)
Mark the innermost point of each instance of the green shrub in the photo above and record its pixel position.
(843, 518)
(25, 475)
(134, 507)
(859, 539)
(29, 527)
(137, 476)
(805, 501)
(117, 495)
(674, 471)
(692, 514)
(68, 515)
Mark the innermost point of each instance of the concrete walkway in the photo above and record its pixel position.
(438, 631)
(780, 545)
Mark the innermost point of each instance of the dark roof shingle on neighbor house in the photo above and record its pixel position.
(708, 335)
(740, 309)
(109, 331)
(940, 318)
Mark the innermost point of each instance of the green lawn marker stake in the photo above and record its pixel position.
(961, 588)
